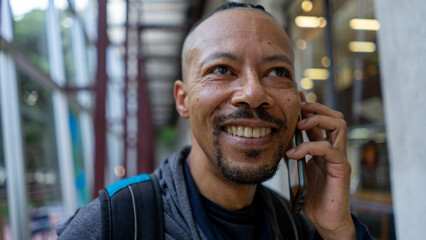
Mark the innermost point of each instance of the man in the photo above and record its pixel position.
(240, 96)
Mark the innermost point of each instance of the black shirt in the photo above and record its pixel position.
(220, 223)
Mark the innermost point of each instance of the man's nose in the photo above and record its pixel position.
(252, 93)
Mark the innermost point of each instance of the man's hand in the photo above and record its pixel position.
(328, 172)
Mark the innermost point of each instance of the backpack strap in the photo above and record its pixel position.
(132, 209)
(159, 224)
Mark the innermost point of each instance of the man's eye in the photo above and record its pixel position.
(279, 72)
(223, 70)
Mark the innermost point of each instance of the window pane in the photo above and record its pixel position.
(357, 64)
(4, 207)
(42, 171)
(66, 22)
(29, 20)
(83, 195)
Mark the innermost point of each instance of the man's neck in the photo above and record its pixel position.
(212, 185)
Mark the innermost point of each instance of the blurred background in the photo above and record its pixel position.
(86, 99)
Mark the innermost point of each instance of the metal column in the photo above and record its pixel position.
(126, 89)
(101, 86)
(84, 98)
(1, 20)
(61, 110)
(13, 149)
(145, 125)
(12, 134)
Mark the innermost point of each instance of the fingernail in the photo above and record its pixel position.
(290, 151)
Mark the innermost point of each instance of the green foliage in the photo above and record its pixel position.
(30, 38)
(167, 136)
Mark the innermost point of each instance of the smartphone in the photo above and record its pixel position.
(298, 184)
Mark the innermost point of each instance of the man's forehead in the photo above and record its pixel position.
(236, 20)
(226, 29)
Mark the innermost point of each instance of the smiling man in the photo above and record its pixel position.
(239, 93)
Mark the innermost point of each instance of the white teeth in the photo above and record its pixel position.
(240, 131)
(229, 130)
(256, 132)
(267, 131)
(248, 132)
(262, 131)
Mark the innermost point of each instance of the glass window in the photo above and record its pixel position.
(42, 171)
(357, 65)
(308, 36)
(358, 91)
(4, 207)
(29, 20)
(66, 22)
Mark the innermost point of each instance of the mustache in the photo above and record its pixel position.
(246, 113)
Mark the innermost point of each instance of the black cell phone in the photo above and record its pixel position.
(298, 184)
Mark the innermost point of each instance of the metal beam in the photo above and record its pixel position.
(126, 88)
(74, 89)
(30, 69)
(1, 20)
(100, 109)
(145, 146)
(198, 11)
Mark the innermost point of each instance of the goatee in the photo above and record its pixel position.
(254, 175)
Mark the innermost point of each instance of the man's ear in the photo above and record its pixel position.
(181, 98)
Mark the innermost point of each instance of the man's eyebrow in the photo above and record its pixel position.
(221, 55)
(281, 58)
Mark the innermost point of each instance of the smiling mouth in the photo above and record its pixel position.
(248, 132)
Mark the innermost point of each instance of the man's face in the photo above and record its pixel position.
(240, 94)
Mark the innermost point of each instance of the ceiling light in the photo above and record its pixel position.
(301, 44)
(322, 22)
(307, 5)
(311, 97)
(310, 22)
(306, 83)
(325, 62)
(364, 24)
(317, 73)
(360, 46)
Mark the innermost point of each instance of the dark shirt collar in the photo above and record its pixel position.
(199, 204)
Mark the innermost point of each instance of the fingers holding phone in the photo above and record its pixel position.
(324, 120)
(327, 202)
(323, 123)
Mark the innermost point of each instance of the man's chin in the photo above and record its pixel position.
(248, 166)
(251, 169)
(248, 176)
